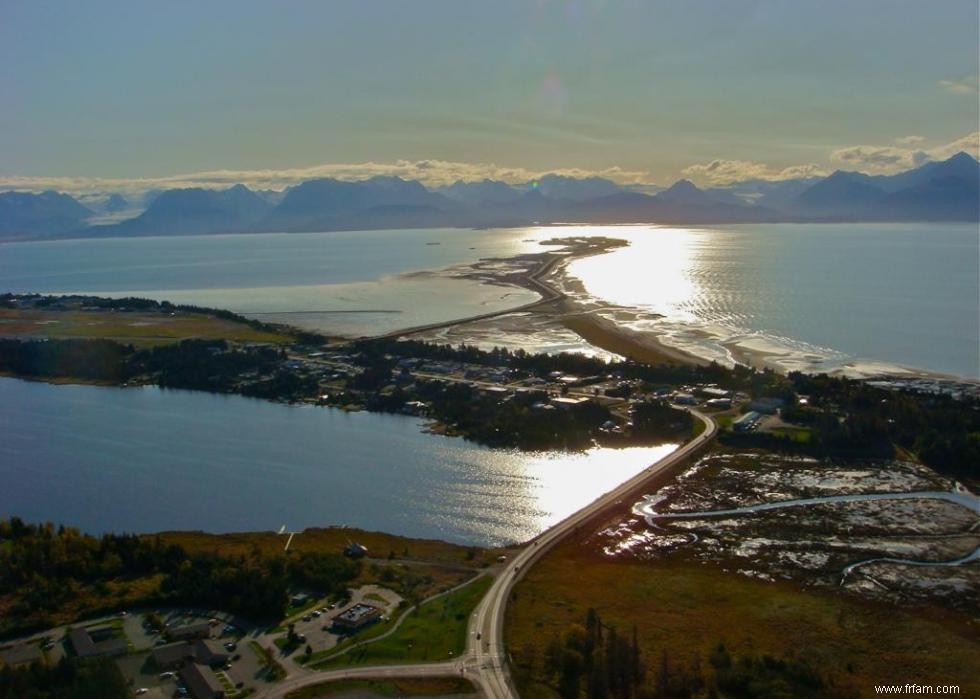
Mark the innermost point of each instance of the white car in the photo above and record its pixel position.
(142, 690)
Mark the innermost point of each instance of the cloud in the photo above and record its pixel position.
(968, 144)
(879, 159)
(963, 86)
(909, 140)
(884, 160)
(433, 173)
(723, 172)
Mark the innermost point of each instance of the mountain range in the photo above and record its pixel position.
(937, 191)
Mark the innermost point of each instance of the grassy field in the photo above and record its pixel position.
(379, 545)
(406, 687)
(436, 631)
(686, 608)
(142, 329)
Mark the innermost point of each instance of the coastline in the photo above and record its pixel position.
(567, 308)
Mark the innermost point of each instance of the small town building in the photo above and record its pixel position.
(355, 550)
(201, 682)
(684, 399)
(85, 646)
(190, 632)
(211, 652)
(357, 617)
(172, 655)
(567, 403)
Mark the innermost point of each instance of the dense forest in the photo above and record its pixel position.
(44, 568)
(599, 662)
(70, 678)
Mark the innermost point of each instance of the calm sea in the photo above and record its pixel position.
(148, 459)
(812, 297)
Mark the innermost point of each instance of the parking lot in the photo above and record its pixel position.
(315, 624)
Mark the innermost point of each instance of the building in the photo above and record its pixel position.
(172, 655)
(211, 652)
(566, 403)
(86, 647)
(746, 422)
(189, 632)
(201, 682)
(685, 399)
(354, 550)
(719, 403)
(356, 617)
(20, 654)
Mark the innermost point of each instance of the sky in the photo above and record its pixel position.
(108, 94)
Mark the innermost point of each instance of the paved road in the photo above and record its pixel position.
(489, 652)
(485, 661)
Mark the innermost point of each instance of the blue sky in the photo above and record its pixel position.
(640, 91)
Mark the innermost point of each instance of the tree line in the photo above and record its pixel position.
(70, 678)
(597, 661)
(44, 569)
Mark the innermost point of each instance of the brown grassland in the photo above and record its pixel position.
(686, 607)
(398, 687)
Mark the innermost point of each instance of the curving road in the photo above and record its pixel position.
(485, 660)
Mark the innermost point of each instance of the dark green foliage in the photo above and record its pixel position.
(44, 567)
(95, 360)
(599, 662)
(71, 678)
(851, 415)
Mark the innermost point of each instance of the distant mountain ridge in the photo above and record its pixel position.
(937, 191)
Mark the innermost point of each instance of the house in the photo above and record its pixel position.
(189, 632)
(354, 550)
(20, 654)
(85, 646)
(201, 682)
(211, 652)
(566, 403)
(172, 655)
(356, 617)
(685, 399)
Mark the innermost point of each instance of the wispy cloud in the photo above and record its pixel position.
(723, 172)
(966, 85)
(891, 159)
(432, 173)
(909, 140)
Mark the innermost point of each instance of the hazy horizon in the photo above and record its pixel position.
(118, 97)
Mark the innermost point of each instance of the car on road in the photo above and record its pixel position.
(142, 690)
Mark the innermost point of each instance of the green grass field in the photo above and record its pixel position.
(142, 329)
(436, 631)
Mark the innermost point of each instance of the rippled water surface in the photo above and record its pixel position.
(813, 296)
(146, 459)
(817, 295)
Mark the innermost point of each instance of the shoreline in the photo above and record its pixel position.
(562, 305)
